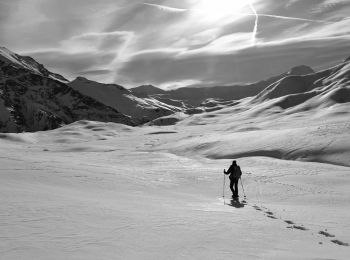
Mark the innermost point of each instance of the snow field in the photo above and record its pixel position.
(107, 191)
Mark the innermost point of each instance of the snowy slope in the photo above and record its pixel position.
(304, 118)
(321, 89)
(144, 109)
(93, 190)
(107, 191)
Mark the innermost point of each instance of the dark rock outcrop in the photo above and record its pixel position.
(34, 100)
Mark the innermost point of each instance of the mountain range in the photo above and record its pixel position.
(33, 99)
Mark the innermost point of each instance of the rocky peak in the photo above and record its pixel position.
(81, 80)
(27, 63)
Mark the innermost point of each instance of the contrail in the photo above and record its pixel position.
(254, 13)
(167, 8)
(255, 30)
(287, 18)
(179, 10)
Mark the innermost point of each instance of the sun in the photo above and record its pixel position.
(220, 9)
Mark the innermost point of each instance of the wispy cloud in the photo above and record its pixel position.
(172, 43)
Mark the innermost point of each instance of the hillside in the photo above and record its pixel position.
(318, 90)
(123, 100)
(33, 99)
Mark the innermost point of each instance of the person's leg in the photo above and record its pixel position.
(231, 187)
(236, 187)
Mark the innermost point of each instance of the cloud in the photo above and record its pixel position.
(97, 41)
(248, 65)
(72, 64)
(172, 43)
(96, 73)
(327, 6)
(224, 44)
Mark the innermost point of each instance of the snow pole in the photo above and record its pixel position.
(243, 188)
(223, 189)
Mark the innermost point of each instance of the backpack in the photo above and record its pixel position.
(237, 173)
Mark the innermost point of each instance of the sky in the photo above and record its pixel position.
(173, 44)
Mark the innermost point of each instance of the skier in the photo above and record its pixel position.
(235, 175)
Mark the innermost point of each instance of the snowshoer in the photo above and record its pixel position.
(235, 175)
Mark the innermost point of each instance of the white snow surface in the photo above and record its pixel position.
(94, 190)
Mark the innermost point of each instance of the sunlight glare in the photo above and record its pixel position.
(220, 9)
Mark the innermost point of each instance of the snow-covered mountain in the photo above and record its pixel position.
(34, 99)
(298, 90)
(141, 109)
(302, 93)
(195, 96)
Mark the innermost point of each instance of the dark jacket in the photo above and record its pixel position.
(234, 171)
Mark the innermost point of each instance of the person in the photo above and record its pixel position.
(235, 175)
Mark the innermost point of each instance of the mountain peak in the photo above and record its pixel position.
(146, 90)
(28, 63)
(301, 70)
(4, 49)
(84, 81)
(80, 78)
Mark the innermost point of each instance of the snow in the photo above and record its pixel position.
(94, 190)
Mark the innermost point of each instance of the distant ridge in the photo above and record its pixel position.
(194, 96)
(33, 98)
(305, 92)
(123, 100)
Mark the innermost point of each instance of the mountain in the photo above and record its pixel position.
(305, 92)
(146, 91)
(28, 63)
(34, 99)
(141, 109)
(195, 96)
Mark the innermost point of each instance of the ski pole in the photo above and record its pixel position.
(223, 190)
(243, 188)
